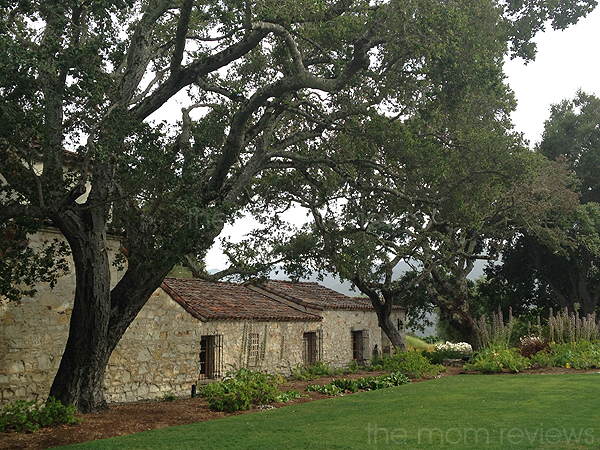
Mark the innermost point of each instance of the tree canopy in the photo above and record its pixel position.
(260, 85)
(560, 266)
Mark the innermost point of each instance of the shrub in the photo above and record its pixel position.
(493, 360)
(411, 363)
(241, 390)
(431, 339)
(448, 351)
(438, 356)
(531, 345)
(461, 347)
(32, 415)
(580, 355)
(542, 359)
(354, 367)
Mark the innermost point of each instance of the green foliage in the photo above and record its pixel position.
(319, 369)
(340, 385)
(328, 389)
(542, 359)
(579, 355)
(288, 396)
(31, 415)
(411, 363)
(354, 367)
(576, 355)
(572, 132)
(241, 390)
(21, 267)
(492, 360)
(438, 356)
(168, 397)
(432, 339)
(446, 332)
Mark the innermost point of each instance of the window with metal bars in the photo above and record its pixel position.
(357, 346)
(211, 356)
(313, 347)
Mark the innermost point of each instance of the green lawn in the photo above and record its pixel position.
(471, 411)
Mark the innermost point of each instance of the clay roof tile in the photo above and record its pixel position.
(229, 301)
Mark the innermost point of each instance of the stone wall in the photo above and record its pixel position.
(159, 353)
(34, 331)
(338, 326)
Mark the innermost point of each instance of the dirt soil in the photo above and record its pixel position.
(123, 419)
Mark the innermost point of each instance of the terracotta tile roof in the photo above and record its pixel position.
(229, 301)
(314, 296)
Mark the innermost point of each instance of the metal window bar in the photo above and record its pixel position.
(319, 346)
(211, 356)
(218, 366)
(309, 348)
(357, 346)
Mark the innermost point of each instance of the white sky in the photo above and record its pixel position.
(566, 61)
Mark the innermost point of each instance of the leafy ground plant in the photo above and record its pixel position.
(169, 397)
(411, 363)
(365, 383)
(319, 369)
(244, 389)
(494, 360)
(438, 356)
(577, 355)
(32, 415)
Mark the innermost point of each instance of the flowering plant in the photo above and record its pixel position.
(462, 347)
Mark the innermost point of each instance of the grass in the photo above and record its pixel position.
(460, 412)
(418, 343)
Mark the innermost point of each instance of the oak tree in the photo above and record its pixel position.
(85, 85)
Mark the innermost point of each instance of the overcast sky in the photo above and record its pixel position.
(566, 61)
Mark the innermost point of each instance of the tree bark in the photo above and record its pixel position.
(464, 324)
(383, 309)
(100, 316)
(80, 377)
(391, 331)
(452, 298)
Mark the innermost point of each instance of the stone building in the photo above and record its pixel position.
(192, 330)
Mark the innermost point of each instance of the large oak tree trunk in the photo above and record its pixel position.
(80, 376)
(100, 316)
(389, 328)
(383, 304)
(463, 323)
